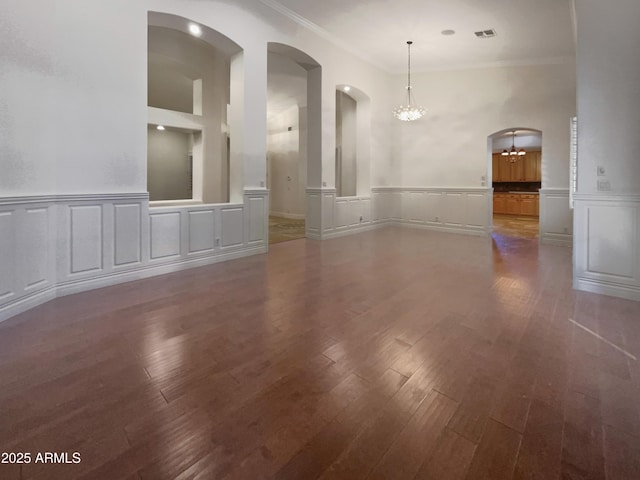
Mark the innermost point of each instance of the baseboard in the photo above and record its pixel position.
(290, 216)
(479, 232)
(605, 288)
(149, 270)
(352, 230)
(558, 239)
(27, 302)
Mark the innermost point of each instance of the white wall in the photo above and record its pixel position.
(608, 95)
(607, 220)
(448, 147)
(64, 70)
(169, 169)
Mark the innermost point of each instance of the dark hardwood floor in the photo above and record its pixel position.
(393, 354)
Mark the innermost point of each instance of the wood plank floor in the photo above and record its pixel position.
(392, 354)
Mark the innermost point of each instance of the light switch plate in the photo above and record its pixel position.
(601, 171)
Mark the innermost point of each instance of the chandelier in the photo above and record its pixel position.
(409, 112)
(513, 154)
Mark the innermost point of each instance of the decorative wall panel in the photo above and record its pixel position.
(35, 247)
(232, 227)
(127, 234)
(7, 254)
(86, 238)
(201, 230)
(165, 235)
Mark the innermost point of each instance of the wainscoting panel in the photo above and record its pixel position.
(165, 235)
(556, 218)
(611, 240)
(86, 236)
(451, 210)
(201, 230)
(395, 205)
(56, 245)
(232, 227)
(127, 228)
(313, 221)
(352, 212)
(365, 209)
(454, 209)
(257, 215)
(380, 207)
(7, 254)
(328, 210)
(433, 207)
(607, 244)
(414, 205)
(342, 213)
(35, 248)
(477, 210)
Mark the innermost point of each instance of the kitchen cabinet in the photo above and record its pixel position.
(526, 204)
(499, 203)
(526, 168)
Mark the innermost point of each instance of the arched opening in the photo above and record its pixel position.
(353, 134)
(189, 102)
(515, 174)
(293, 138)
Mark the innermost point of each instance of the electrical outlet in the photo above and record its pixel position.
(437, 219)
(261, 183)
(217, 242)
(324, 184)
(601, 171)
(361, 218)
(604, 185)
(566, 230)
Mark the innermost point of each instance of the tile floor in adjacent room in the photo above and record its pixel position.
(284, 229)
(516, 225)
(391, 354)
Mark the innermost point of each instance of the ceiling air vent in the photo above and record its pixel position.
(485, 33)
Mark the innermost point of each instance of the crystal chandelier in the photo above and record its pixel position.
(513, 153)
(409, 112)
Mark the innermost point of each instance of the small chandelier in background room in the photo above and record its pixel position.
(410, 111)
(513, 153)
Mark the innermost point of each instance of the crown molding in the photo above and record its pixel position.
(527, 62)
(309, 25)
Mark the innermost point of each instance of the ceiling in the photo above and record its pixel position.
(528, 31)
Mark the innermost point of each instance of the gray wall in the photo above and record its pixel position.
(346, 140)
(169, 172)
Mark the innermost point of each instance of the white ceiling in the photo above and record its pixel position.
(528, 31)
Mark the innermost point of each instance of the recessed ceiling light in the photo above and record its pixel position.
(195, 30)
(448, 32)
(347, 88)
(160, 127)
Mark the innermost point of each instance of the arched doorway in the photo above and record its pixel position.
(293, 139)
(515, 174)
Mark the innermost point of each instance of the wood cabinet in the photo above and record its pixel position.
(526, 168)
(499, 203)
(516, 204)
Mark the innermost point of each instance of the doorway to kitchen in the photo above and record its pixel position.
(516, 179)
